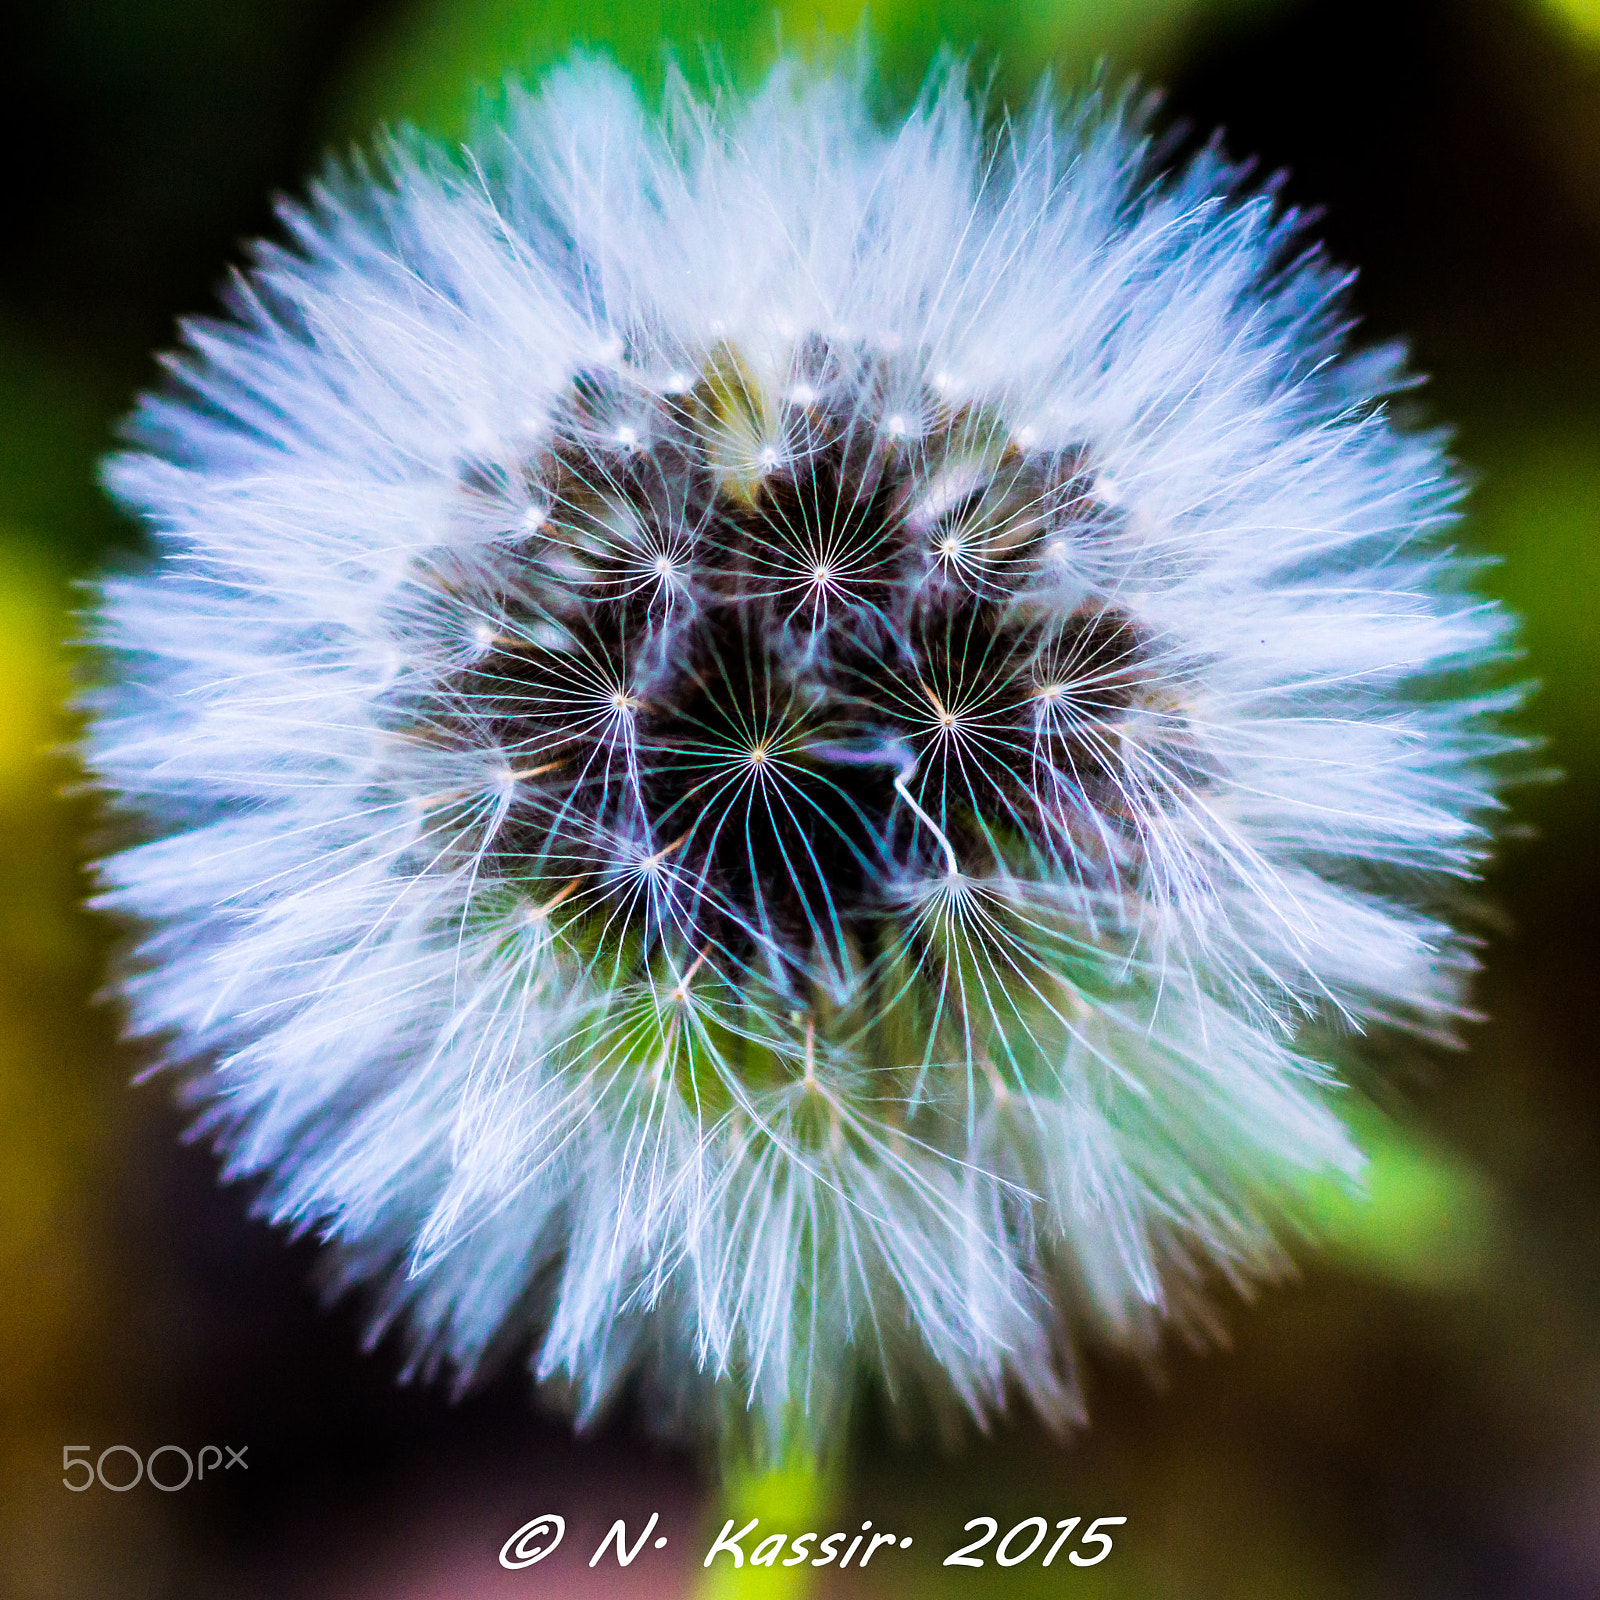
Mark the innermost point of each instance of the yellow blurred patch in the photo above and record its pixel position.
(1581, 15)
(33, 671)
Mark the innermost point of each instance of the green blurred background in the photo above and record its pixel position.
(1418, 1415)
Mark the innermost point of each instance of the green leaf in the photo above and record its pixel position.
(1420, 1217)
(433, 67)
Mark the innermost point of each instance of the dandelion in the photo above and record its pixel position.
(773, 750)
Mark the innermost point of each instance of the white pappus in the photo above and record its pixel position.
(769, 747)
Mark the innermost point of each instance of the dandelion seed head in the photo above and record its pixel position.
(815, 840)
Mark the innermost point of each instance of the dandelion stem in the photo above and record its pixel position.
(791, 1492)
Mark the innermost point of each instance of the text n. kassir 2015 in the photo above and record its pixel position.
(1024, 1541)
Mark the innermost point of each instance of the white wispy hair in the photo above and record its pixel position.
(766, 741)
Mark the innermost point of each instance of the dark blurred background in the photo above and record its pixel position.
(1418, 1415)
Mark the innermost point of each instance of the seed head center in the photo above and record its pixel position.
(674, 545)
